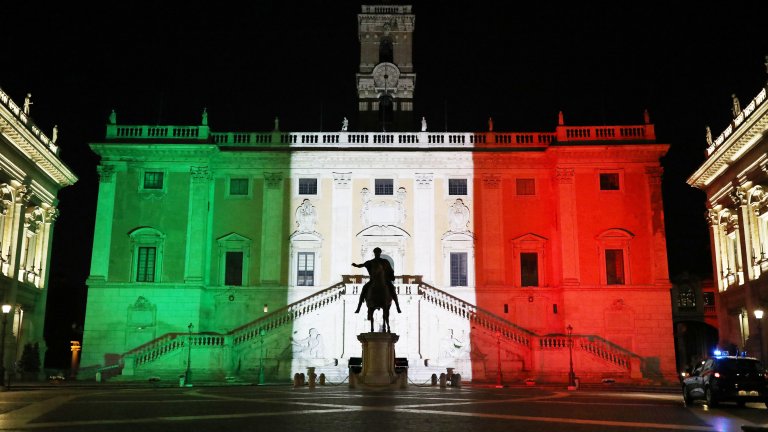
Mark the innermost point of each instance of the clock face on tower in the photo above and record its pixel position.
(385, 75)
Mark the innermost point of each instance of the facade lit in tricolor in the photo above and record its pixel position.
(733, 176)
(502, 242)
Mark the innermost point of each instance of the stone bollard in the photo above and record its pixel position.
(296, 380)
(443, 380)
(456, 380)
(303, 378)
(312, 380)
(322, 379)
(404, 379)
(352, 379)
(434, 379)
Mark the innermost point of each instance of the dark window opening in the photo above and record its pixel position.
(614, 266)
(145, 270)
(529, 269)
(459, 269)
(525, 186)
(233, 273)
(506, 308)
(686, 298)
(609, 181)
(384, 187)
(153, 180)
(238, 186)
(709, 298)
(386, 112)
(306, 269)
(457, 186)
(386, 51)
(554, 308)
(307, 186)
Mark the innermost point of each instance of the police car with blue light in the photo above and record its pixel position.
(726, 378)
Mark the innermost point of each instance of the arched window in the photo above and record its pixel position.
(386, 51)
(147, 257)
(614, 254)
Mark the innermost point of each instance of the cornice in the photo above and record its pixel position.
(36, 151)
(738, 143)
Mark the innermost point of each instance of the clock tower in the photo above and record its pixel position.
(385, 80)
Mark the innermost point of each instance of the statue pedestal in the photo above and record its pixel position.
(378, 359)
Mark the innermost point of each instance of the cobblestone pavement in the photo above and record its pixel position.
(283, 408)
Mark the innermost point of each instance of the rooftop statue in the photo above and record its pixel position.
(113, 117)
(27, 103)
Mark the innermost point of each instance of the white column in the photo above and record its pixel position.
(424, 226)
(341, 232)
(102, 232)
(197, 224)
(44, 270)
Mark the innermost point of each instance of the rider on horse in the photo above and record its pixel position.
(373, 266)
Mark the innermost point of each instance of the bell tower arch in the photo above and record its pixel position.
(385, 79)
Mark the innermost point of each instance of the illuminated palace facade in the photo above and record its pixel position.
(230, 253)
(734, 178)
(31, 175)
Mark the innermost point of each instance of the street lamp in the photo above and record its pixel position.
(6, 310)
(188, 372)
(571, 375)
(759, 316)
(262, 332)
(498, 366)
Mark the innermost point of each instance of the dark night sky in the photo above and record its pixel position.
(162, 63)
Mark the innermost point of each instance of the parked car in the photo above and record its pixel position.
(727, 378)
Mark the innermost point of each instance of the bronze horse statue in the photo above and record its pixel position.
(379, 291)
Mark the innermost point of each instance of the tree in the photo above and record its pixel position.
(29, 364)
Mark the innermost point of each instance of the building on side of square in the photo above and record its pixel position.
(31, 175)
(734, 178)
(517, 253)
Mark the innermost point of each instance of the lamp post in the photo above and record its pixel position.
(759, 316)
(571, 375)
(188, 372)
(262, 332)
(6, 310)
(498, 365)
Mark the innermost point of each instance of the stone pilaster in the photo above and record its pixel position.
(659, 255)
(272, 229)
(197, 224)
(102, 233)
(424, 226)
(568, 226)
(488, 209)
(341, 210)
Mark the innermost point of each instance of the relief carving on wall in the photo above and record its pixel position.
(306, 217)
(384, 211)
(458, 217)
